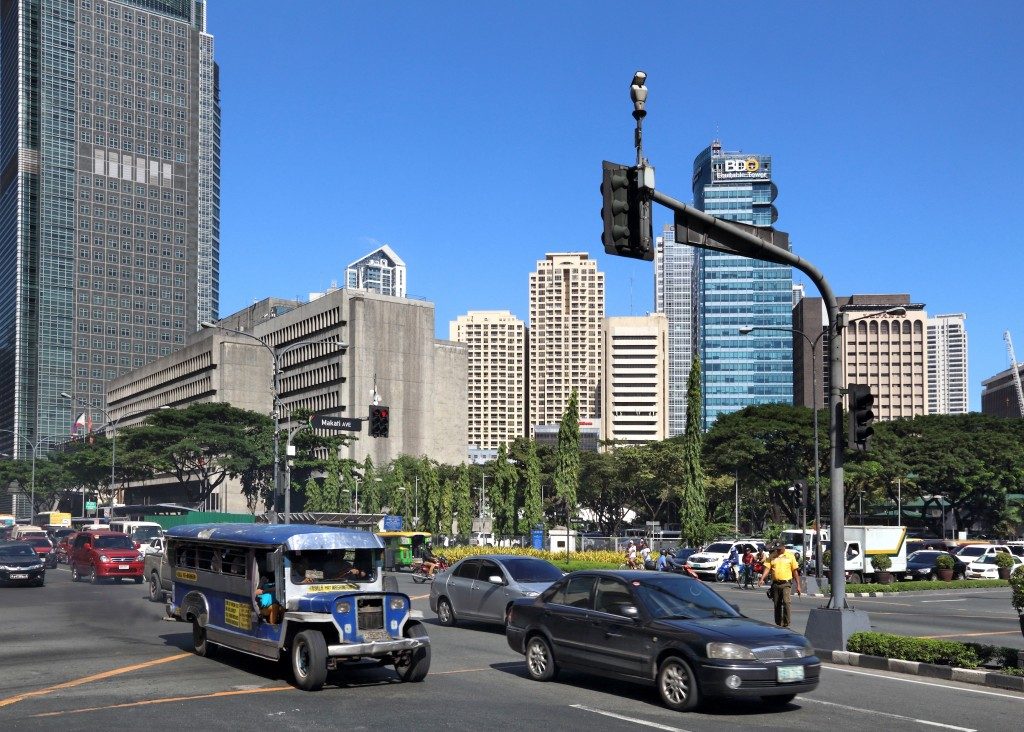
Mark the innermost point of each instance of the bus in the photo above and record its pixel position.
(53, 519)
(315, 595)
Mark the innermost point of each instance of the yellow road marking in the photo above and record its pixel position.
(88, 679)
(459, 671)
(972, 635)
(419, 597)
(238, 692)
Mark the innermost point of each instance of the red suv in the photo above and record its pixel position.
(43, 547)
(96, 555)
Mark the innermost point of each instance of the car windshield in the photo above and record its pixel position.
(143, 534)
(16, 551)
(39, 541)
(719, 547)
(113, 542)
(672, 596)
(528, 570)
(971, 551)
(922, 556)
(310, 567)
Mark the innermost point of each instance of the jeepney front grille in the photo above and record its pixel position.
(370, 615)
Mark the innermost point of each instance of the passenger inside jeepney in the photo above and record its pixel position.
(310, 567)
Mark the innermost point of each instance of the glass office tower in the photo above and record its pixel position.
(109, 200)
(674, 297)
(733, 292)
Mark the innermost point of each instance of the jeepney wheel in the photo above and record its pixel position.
(155, 593)
(200, 645)
(413, 665)
(309, 660)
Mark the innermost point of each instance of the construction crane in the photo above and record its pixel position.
(1016, 372)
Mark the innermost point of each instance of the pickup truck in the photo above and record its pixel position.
(157, 572)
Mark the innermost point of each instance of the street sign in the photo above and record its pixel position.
(90, 505)
(326, 422)
(393, 523)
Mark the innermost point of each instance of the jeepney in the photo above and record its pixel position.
(312, 594)
(406, 548)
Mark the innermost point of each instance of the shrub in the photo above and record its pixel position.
(918, 585)
(882, 562)
(945, 561)
(925, 650)
(1004, 560)
(1017, 583)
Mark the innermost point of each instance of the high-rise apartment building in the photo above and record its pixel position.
(947, 364)
(634, 375)
(109, 199)
(566, 320)
(495, 378)
(381, 271)
(674, 298)
(734, 292)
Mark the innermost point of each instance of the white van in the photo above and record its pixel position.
(139, 531)
(20, 532)
(707, 561)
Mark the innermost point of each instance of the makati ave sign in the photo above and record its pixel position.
(325, 422)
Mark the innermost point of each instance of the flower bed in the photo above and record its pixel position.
(576, 560)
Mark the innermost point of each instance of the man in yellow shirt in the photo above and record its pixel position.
(785, 575)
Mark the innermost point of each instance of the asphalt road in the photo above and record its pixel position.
(75, 656)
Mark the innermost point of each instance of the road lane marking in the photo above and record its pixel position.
(459, 671)
(88, 679)
(624, 718)
(972, 635)
(877, 713)
(923, 683)
(419, 597)
(964, 599)
(126, 705)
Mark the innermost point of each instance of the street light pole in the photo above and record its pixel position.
(416, 516)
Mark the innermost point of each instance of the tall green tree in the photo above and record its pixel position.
(533, 508)
(446, 509)
(464, 502)
(315, 499)
(370, 488)
(693, 505)
(567, 458)
(503, 494)
(332, 484)
(430, 496)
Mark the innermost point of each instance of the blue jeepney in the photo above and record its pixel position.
(314, 593)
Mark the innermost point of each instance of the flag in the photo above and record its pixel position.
(78, 424)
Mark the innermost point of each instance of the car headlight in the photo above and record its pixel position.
(730, 652)
(530, 593)
(343, 607)
(142, 557)
(397, 603)
(104, 558)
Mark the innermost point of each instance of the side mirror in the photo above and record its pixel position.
(496, 579)
(627, 610)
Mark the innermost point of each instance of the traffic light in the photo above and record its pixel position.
(799, 490)
(861, 416)
(626, 212)
(379, 417)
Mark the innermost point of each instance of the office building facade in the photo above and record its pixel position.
(733, 292)
(810, 353)
(947, 364)
(109, 203)
(635, 380)
(496, 348)
(999, 394)
(381, 271)
(566, 321)
(674, 298)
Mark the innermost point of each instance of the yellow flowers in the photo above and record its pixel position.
(456, 553)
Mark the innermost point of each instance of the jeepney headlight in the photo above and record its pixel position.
(397, 603)
(142, 557)
(344, 607)
(104, 558)
(730, 652)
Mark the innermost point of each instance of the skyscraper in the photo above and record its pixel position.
(733, 292)
(381, 271)
(109, 206)
(634, 374)
(947, 364)
(673, 297)
(566, 320)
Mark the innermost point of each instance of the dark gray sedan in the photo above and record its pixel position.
(483, 587)
(20, 563)
(659, 628)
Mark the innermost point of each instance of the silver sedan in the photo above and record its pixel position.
(482, 587)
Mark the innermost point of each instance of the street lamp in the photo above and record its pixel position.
(34, 446)
(275, 386)
(112, 423)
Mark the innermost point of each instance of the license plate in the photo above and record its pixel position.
(789, 674)
(19, 576)
(123, 566)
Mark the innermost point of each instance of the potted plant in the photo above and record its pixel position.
(944, 565)
(882, 563)
(1004, 561)
(1017, 596)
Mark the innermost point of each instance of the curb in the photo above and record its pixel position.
(931, 670)
(913, 593)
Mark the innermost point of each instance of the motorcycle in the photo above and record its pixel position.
(729, 570)
(421, 575)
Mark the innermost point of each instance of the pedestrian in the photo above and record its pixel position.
(748, 567)
(645, 552)
(662, 564)
(785, 574)
(631, 555)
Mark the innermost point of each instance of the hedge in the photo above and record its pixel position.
(927, 585)
(931, 650)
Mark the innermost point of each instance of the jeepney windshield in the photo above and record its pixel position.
(313, 566)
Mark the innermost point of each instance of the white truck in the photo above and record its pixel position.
(865, 542)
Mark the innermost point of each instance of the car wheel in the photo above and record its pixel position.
(75, 576)
(200, 645)
(309, 660)
(776, 702)
(40, 582)
(93, 577)
(540, 662)
(677, 685)
(445, 614)
(413, 665)
(855, 578)
(155, 593)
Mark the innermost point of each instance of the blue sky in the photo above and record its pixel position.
(469, 136)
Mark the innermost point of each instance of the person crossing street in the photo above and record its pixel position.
(785, 574)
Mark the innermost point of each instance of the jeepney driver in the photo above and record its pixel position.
(337, 567)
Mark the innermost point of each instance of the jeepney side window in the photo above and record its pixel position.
(186, 555)
(205, 558)
(232, 561)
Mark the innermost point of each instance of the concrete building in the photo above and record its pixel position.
(633, 397)
(887, 352)
(109, 204)
(496, 376)
(811, 320)
(566, 319)
(947, 364)
(390, 348)
(546, 435)
(674, 295)
(999, 394)
(381, 271)
(756, 368)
